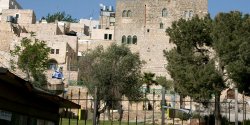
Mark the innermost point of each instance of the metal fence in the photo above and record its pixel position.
(157, 108)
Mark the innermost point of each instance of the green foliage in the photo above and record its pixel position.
(60, 16)
(148, 79)
(193, 72)
(179, 114)
(32, 59)
(115, 71)
(209, 119)
(231, 36)
(161, 80)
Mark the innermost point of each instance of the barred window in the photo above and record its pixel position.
(124, 13)
(129, 40)
(135, 40)
(164, 12)
(129, 13)
(123, 39)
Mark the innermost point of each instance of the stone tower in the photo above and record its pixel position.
(142, 24)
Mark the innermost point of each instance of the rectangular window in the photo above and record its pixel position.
(17, 15)
(57, 51)
(105, 36)
(52, 51)
(110, 36)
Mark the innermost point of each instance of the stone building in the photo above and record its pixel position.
(64, 46)
(19, 16)
(142, 24)
(9, 4)
(102, 33)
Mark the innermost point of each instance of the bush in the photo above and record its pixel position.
(179, 114)
(210, 120)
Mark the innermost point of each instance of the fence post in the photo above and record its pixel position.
(79, 94)
(128, 111)
(243, 107)
(153, 106)
(145, 108)
(190, 108)
(229, 111)
(162, 109)
(236, 106)
(86, 108)
(95, 107)
(136, 113)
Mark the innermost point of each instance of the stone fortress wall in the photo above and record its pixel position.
(147, 22)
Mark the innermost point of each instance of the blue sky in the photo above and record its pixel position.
(90, 8)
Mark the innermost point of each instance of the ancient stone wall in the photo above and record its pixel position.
(148, 23)
(41, 28)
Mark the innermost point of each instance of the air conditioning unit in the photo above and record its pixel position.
(10, 19)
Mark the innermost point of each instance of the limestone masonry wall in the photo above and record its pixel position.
(148, 23)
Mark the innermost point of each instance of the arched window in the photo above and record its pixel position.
(191, 13)
(164, 12)
(52, 64)
(123, 39)
(135, 40)
(161, 25)
(129, 40)
(185, 15)
(129, 13)
(124, 13)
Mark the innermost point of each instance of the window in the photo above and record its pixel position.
(105, 36)
(52, 51)
(17, 15)
(185, 15)
(129, 40)
(57, 51)
(129, 13)
(52, 64)
(191, 13)
(148, 30)
(110, 36)
(124, 13)
(135, 40)
(164, 12)
(123, 39)
(161, 25)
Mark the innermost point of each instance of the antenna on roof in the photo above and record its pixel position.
(101, 5)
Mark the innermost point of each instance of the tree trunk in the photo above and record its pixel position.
(217, 109)
(109, 114)
(120, 111)
(181, 102)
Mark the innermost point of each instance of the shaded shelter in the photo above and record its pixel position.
(23, 104)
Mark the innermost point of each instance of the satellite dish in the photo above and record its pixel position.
(101, 5)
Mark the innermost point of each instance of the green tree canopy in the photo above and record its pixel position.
(60, 16)
(32, 59)
(190, 63)
(193, 71)
(231, 36)
(115, 71)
